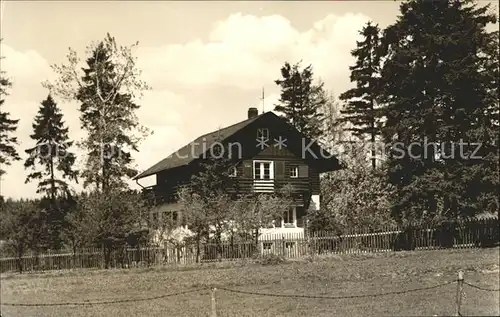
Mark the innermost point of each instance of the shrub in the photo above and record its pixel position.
(271, 259)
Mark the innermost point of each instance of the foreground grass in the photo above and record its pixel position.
(331, 276)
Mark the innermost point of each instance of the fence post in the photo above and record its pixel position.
(214, 308)
(283, 245)
(460, 283)
(49, 258)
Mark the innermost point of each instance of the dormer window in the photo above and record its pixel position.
(233, 172)
(262, 134)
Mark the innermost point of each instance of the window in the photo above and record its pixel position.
(233, 171)
(266, 172)
(289, 218)
(294, 171)
(170, 217)
(289, 245)
(267, 245)
(263, 170)
(262, 134)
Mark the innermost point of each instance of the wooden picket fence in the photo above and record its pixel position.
(459, 234)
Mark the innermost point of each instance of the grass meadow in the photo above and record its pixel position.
(344, 275)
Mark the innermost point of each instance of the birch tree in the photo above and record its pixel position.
(107, 88)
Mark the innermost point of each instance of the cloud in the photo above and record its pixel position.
(255, 35)
(197, 86)
(161, 107)
(247, 51)
(270, 100)
(164, 141)
(162, 111)
(25, 70)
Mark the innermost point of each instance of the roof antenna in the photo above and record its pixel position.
(263, 100)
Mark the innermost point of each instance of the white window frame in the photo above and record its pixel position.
(271, 170)
(294, 168)
(264, 136)
(294, 219)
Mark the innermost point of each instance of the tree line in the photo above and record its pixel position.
(431, 76)
(423, 85)
(107, 213)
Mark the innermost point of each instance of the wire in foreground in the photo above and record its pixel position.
(130, 300)
(335, 297)
(482, 288)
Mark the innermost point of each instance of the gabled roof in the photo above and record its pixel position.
(193, 151)
(183, 156)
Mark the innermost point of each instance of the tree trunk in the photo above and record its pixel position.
(218, 244)
(53, 223)
(104, 181)
(373, 134)
(73, 258)
(37, 259)
(198, 247)
(107, 256)
(257, 237)
(256, 241)
(52, 183)
(20, 261)
(232, 245)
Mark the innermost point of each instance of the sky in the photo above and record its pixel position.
(206, 62)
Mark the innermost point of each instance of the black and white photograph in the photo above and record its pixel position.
(249, 158)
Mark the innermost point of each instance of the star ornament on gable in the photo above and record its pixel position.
(280, 143)
(262, 143)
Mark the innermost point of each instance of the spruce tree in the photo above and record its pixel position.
(51, 165)
(50, 160)
(301, 100)
(108, 116)
(8, 126)
(439, 87)
(361, 105)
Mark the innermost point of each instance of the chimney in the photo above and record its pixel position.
(252, 113)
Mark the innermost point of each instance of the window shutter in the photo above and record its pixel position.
(303, 171)
(279, 169)
(247, 170)
(301, 213)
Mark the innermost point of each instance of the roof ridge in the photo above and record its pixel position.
(153, 169)
(212, 132)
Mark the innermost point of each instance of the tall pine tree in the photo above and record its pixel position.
(51, 153)
(8, 126)
(439, 87)
(361, 101)
(51, 165)
(301, 100)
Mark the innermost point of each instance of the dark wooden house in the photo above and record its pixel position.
(266, 153)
